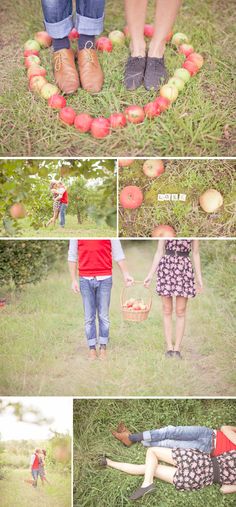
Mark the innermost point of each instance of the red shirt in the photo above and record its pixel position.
(95, 257)
(223, 444)
(64, 198)
(36, 462)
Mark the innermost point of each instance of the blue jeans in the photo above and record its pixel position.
(184, 437)
(63, 209)
(58, 17)
(96, 295)
(35, 474)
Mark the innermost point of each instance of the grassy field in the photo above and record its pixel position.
(93, 422)
(199, 123)
(14, 491)
(187, 218)
(72, 229)
(44, 351)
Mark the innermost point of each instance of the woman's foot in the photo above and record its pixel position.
(169, 353)
(140, 492)
(155, 73)
(134, 72)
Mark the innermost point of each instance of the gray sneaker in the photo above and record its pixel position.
(134, 72)
(140, 492)
(155, 73)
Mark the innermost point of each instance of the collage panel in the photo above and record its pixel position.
(100, 314)
(119, 444)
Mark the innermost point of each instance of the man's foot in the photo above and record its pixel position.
(91, 75)
(123, 437)
(134, 72)
(92, 354)
(65, 72)
(121, 427)
(155, 73)
(140, 492)
(103, 353)
(177, 354)
(169, 353)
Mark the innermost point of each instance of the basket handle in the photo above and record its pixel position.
(136, 282)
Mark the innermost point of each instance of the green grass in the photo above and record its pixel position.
(14, 491)
(93, 422)
(199, 123)
(88, 228)
(44, 351)
(190, 177)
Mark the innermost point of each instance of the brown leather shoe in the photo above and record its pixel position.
(121, 427)
(90, 72)
(103, 354)
(65, 72)
(92, 354)
(123, 437)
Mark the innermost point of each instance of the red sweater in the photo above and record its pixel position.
(36, 462)
(223, 444)
(95, 257)
(64, 198)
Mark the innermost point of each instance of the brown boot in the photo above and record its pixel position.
(65, 72)
(91, 75)
(123, 437)
(92, 354)
(121, 427)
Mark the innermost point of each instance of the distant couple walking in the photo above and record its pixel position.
(143, 66)
(37, 467)
(60, 203)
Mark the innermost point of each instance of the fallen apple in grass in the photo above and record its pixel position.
(32, 59)
(36, 83)
(179, 38)
(131, 197)
(48, 90)
(163, 231)
(183, 74)
(32, 45)
(151, 110)
(36, 70)
(18, 210)
(73, 35)
(162, 103)
(197, 59)
(186, 49)
(117, 120)
(191, 67)
(176, 81)
(153, 168)
(104, 44)
(30, 52)
(100, 127)
(117, 37)
(125, 162)
(44, 40)
(56, 101)
(211, 200)
(148, 30)
(83, 122)
(134, 114)
(170, 92)
(67, 115)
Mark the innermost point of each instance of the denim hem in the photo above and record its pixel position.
(147, 435)
(103, 340)
(92, 342)
(60, 29)
(89, 26)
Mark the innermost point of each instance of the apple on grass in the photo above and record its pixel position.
(197, 59)
(36, 83)
(31, 59)
(73, 35)
(17, 210)
(44, 40)
(56, 101)
(36, 70)
(83, 122)
(186, 49)
(163, 103)
(211, 200)
(176, 81)
(32, 45)
(183, 74)
(117, 120)
(179, 38)
(170, 92)
(30, 52)
(117, 37)
(163, 231)
(134, 114)
(48, 90)
(153, 168)
(148, 30)
(151, 110)
(125, 162)
(67, 115)
(100, 127)
(191, 67)
(104, 44)
(131, 197)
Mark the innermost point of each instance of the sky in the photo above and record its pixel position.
(59, 410)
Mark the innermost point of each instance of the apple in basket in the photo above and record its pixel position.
(136, 306)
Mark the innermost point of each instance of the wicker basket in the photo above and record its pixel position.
(131, 314)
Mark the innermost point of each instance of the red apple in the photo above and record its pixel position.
(104, 44)
(117, 120)
(162, 103)
(134, 114)
(48, 90)
(36, 83)
(163, 231)
(125, 162)
(73, 35)
(44, 40)
(36, 70)
(136, 306)
(197, 59)
(18, 210)
(152, 109)
(153, 168)
(179, 38)
(100, 127)
(32, 45)
(191, 67)
(83, 122)
(30, 60)
(148, 30)
(211, 200)
(57, 101)
(131, 197)
(186, 49)
(170, 92)
(67, 115)
(30, 52)
(117, 37)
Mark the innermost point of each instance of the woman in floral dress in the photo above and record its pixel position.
(175, 278)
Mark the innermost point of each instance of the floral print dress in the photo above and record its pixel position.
(175, 276)
(195, 469)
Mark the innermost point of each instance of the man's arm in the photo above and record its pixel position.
(73, 263)
(229, 432)
(228, 488)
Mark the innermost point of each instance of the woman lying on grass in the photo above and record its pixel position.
(187, 470)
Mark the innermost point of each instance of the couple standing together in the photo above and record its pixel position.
(60, 203)
(91, 261)
(143, 65)
(37, 466)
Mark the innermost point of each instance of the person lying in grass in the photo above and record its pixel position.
(58, 20)
(175, 278)
(213, 442)
(186, 469)
(92, 259)
(148, 67)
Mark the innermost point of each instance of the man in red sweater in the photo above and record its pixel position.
(92, 260)
(63, 207)
(34, 467)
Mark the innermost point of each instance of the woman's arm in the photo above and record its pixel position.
(197, 264)
(228, 488)
(229, 432)
(157, 257)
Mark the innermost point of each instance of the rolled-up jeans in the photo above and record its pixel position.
(96, 295)
(35, 474)
(63, 209)
(184, 437)
(58, 17)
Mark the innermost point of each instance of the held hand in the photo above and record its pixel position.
(147, 281)
(128, 280)
(199, 287)
(75, 287)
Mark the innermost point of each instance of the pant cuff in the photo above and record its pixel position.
(92, 342)
(89, 26)
(147, 435)
(103, 340)
(60, 29)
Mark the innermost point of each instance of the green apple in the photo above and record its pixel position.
(176, 81)
(183, 74)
